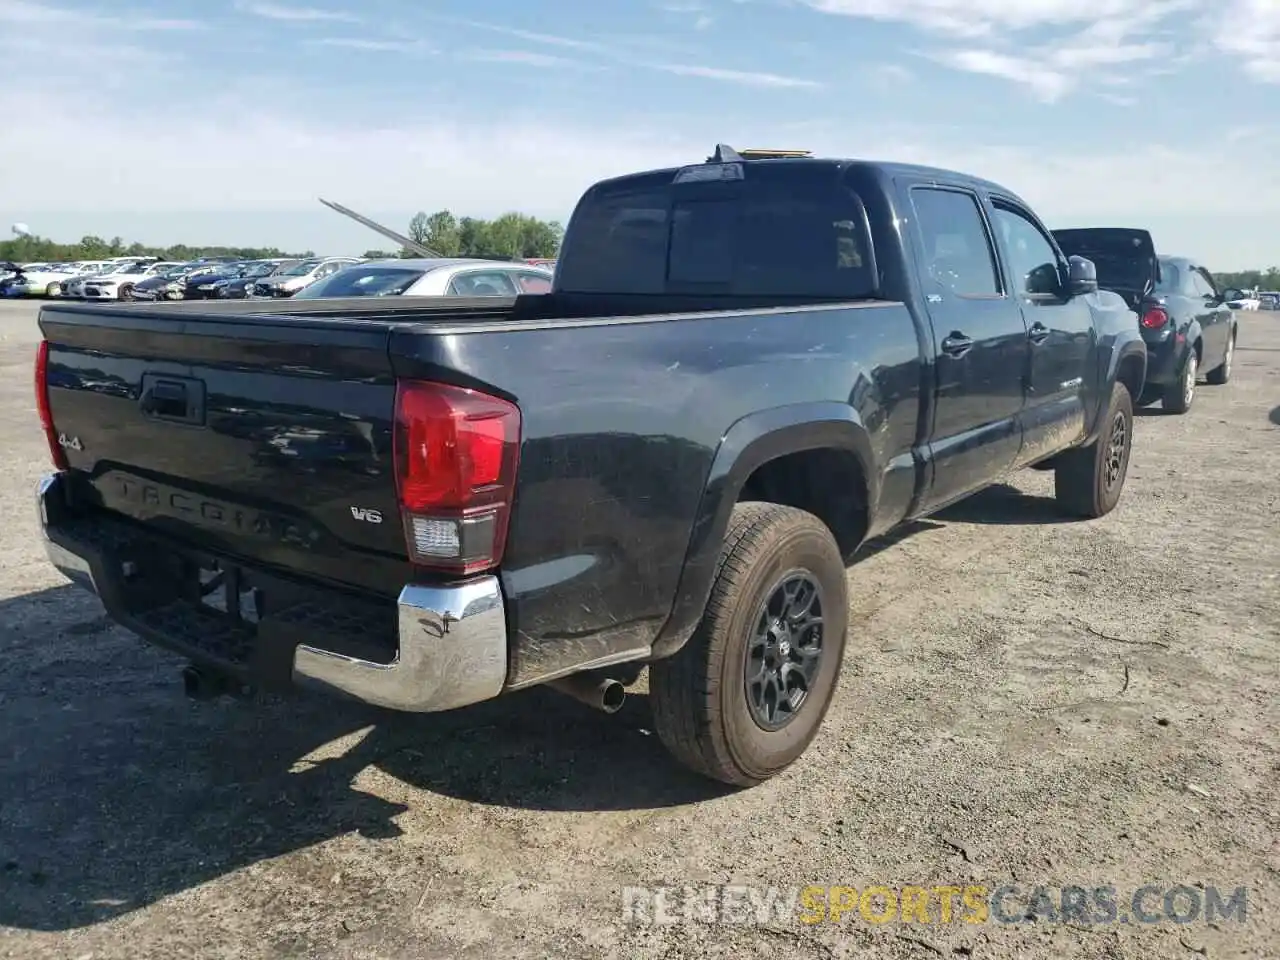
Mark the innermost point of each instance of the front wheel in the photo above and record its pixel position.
(125, 293)
(744, 698)
(53, 289)
(1089, 480)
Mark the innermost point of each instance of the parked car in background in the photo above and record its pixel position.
(74, 287)
(299, 276)
(46, 279)
(203, 284)
(237, 288)
(1269, 300)
(119, 284)
(13, 282)
(444, 277)
(746, 370)
(1185, 320)
(167, 284)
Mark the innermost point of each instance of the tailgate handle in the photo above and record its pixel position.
(178, 399)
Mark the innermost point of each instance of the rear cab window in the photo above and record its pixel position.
(784, 229)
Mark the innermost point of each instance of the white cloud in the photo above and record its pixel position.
(740, 77)
(526, 58)
(1094, 43)
(1051, 71)
(548, 38)
(25, 14)
(373, 45)
(1250, 31)
(972, 18)
(277, 11)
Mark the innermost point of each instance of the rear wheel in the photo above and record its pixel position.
(53, 289)
(744, 698)
(1179, 395)
(1223, 373)
(1089, 480)
(126, 292)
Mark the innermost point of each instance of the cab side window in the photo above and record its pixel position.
(1033, 262)
(957, 247)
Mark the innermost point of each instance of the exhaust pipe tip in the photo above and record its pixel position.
(612, 696)
(194, 683)
(200, 684)
(604, 694)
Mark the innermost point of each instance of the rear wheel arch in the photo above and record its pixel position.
(815, 457)
(1132, 372)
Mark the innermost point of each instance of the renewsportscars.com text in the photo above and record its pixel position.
(935, 904)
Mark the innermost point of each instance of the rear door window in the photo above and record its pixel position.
(957, 245)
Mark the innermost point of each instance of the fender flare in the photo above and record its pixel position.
(1130, 350)
(751, 442)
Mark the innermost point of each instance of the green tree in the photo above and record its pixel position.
(473, 237)
(419, 227)
(443, 235)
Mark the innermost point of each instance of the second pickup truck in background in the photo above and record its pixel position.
(745, 369)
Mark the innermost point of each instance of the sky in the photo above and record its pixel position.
(223, 121)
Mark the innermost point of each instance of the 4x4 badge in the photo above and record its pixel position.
(70, 443)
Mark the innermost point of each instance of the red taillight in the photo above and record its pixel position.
(456, 452)
(56, 452)
(1155, 318)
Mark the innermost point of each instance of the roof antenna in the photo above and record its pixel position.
(724, 154)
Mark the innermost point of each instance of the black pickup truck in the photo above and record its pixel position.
(746, 368)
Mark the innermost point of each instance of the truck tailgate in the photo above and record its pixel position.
(266, 438)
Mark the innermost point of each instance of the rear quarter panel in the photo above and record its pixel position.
(622, 420)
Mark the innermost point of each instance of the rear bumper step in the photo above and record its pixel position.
(439, 648)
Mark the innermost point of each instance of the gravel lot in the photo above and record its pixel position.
(1026, 701)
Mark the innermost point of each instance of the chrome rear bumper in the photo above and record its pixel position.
(452, 652)
(451, 648)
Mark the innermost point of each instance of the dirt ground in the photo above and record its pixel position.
(1026, 702)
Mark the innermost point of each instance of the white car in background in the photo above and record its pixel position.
(119, 284)
(46, 279)
(87, 268)
(443, 277)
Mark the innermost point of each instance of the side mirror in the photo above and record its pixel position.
(1082, 276)
(1231, 293)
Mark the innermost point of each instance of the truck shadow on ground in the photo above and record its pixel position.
(1274, 416)
(120, 791)
(1003, 504)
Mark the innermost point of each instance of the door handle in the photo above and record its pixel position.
(1038, 332)
(957, 344)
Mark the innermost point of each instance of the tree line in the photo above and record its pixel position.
(1268, 279)
(512, 236)
(32, 249)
